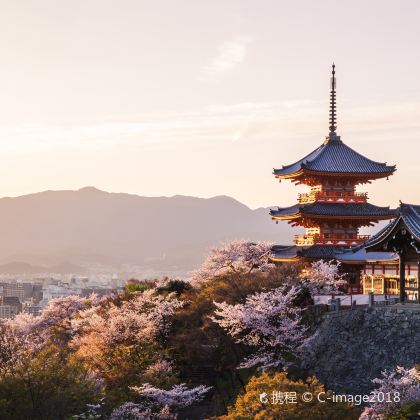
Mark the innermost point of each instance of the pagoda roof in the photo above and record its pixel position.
(345, 255)
(284, 253)
(334, 157)
(342, 210)
(409, 215)
(313, 252)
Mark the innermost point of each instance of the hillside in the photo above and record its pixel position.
(89, 227)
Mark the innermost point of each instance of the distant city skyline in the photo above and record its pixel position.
(203, 98)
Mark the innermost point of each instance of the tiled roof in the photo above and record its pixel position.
(315, 252)
(284, 252)
(335, 157)
(340, 253)
(409, 214)
(320, 252)
(361, 255)
(334, 209)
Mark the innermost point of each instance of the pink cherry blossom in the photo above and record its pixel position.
(269, 322)
(179, 396)
(323, 277)
(234, 257)
(394, 389)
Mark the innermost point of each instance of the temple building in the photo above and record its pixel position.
(332, 212)
(401, 237)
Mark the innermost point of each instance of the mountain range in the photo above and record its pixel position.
(88, 229)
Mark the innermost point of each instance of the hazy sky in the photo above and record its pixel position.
(203, 97)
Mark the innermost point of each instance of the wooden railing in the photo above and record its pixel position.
(333, 196)
(306, 240)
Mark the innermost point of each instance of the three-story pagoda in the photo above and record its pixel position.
(332, 212)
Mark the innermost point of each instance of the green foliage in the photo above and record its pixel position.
(249, 405)
(203, 351)
(134, 286)
(409, 411)
(177, 286)
(49, 385)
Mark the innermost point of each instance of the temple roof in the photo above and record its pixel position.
(334, 157)
(342, 254)
(359, 255)
(322, 209)
(285, 252)
(409, 214)
(314, 252)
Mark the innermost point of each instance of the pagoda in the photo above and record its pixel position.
(332, 211)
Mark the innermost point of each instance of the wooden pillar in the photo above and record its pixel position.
(418, 280)
(402, 277)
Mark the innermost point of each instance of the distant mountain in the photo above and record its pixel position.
(93, 228)
(19, 267)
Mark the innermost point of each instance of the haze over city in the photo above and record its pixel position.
(202, 98)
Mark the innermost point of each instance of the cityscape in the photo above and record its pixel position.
(209, 210)
(31, 295)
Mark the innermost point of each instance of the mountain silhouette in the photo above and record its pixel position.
(89, 228)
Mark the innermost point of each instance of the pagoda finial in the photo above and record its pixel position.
(333, 115)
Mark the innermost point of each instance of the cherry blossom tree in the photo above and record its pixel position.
(56, 318)
(269, 322)
(12, 349)
(394, 389)
(160, 404)
(180, 396)
(323, 277)
(146, 317)
(26, 335)
(133, 411)
(236, 257)
(123, 340)
(118, 342)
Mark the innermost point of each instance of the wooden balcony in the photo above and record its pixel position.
(304, 240)
(345, 240)
(333, 196)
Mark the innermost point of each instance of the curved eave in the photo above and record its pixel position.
(381, 236)
(303, 172)
(411, 216)
(353, 217)
(287, 216)
(361, 262)
(295, 174)
(279, 259)
(295, 216)
(387, 232)
(367, 175)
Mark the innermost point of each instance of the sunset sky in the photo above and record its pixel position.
(201, 97)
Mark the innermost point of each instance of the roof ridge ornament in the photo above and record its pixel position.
(333, 114)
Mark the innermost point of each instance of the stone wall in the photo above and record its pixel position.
(353, 347)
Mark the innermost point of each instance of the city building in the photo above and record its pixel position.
(7, 311)
(14, 289)
(10, 306)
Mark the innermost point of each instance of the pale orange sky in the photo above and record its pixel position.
(203, 97)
